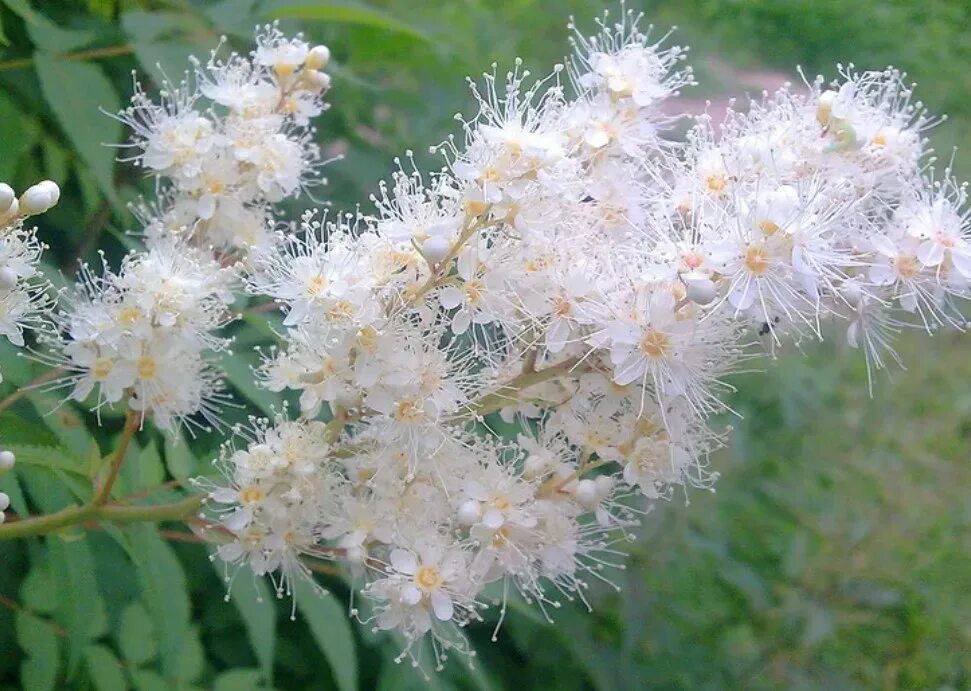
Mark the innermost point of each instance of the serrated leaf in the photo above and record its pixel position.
(37, 590)
(193, 658)
(81, 610)
(343, 13)
(14, 144)
(136, 634)
(254, 602)
(104, 669)
(164, 591)
(76, 92)
(50, 457)
(331, 629)
(149, 681)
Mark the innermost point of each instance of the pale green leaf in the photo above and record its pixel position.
(81, 610)
(46, 33)
(164, 591)
(331, 629)
(76, 92)
(104, 669)
(38, 672)
(136, 634)
(179, 459)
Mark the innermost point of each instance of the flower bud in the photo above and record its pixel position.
(39, 198)
(699, 288)
(587, 493)
(470, 512)
(356, 554)
(7, 197)
(824, 107)
(317, 58)
(8, 278)
(4, 501)
(314, 80)
(435, 248)
(7, 460)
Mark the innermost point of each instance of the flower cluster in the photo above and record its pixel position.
(232, 143)
(142, 335)
(23, 299)
(576, 272)
(505, 361)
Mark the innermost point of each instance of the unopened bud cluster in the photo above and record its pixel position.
(23, 299)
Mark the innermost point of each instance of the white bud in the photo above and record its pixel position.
(824, 107)
(587, 493)
(470, 512)
(7, 459)
(39, 198)
(534, 465)
(355, 554)
(52, 188)
(8, 278)
(852, 293)
(314, 80)
(7, 197)
(699, 288)
(4, 501)
(317, 58)
(605, 485)
(435, 248)
(12, 211)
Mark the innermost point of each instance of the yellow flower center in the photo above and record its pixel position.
(756, 260)
(147, 368)
(251, 495)
(428, 578)
(102, 368)
(655, 344)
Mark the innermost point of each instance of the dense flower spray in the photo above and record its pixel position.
(571, 270)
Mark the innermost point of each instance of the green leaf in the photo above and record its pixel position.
(76, 92)
(255, 606)
(81, 611)
(238, 680)
(136, 634)
(14, 144)
(164, 591)
(239, 372)
(50, 457)
(104, 669)
(331, 628)
(179, 459)
(160, 43)
(11, 486)
(46, 33)
(146, 680)
(36, 636)
(37, 591)
(342, 13)
(193, 658)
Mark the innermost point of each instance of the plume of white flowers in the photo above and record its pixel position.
(23, 296)
(231, 142)
(143, 336)
(591, 280)
(572, 270)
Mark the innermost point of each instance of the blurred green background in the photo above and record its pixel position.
(836, 552)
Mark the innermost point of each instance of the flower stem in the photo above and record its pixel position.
(132, 423)
(508, 392)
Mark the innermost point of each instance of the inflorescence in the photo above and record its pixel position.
(571, 269)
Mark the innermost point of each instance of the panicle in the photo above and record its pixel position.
(232, 139)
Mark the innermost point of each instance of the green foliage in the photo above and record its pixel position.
(833, 555)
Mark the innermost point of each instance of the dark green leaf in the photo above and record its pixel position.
(254, 601)
(81, 610)
(136, 635)
(331, 628)
(37, 638)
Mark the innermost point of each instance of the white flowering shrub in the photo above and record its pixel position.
(498, 364)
